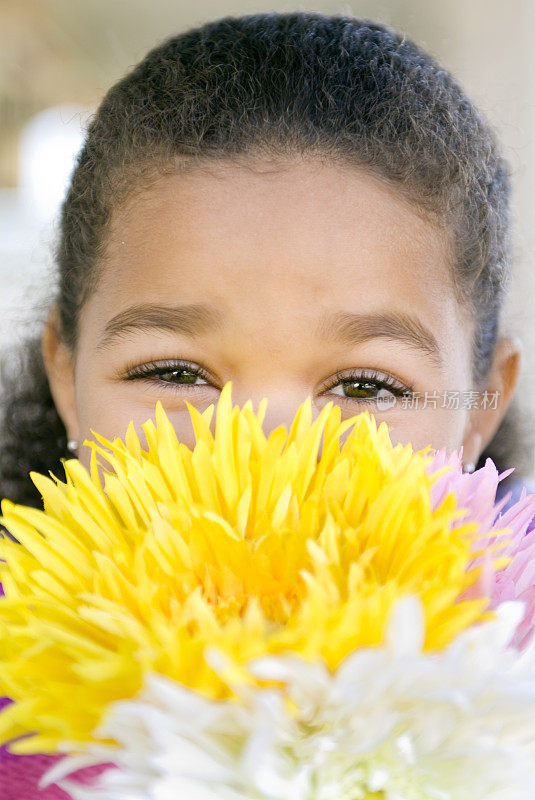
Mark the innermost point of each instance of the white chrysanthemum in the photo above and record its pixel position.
(393, 722)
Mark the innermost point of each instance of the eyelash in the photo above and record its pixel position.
(153, 369)
(381, 381)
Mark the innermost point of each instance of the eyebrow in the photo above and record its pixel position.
(191, 320)
(354, 329)
(195, 319)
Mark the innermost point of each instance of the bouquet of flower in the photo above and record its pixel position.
(272, 618)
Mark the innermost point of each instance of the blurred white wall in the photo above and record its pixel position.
(489, 45)
(48, 147)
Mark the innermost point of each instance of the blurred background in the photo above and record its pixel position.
(58, 57)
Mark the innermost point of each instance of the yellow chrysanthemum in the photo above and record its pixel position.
(250, 544)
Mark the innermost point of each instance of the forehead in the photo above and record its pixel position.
(273, 240)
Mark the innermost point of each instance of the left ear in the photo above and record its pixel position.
(484, 420)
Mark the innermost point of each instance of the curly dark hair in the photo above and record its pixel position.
(277, 85)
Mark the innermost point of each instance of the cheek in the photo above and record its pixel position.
(438, 427)
(111, 420)
(107, 407)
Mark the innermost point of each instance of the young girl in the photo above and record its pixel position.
(301, 204)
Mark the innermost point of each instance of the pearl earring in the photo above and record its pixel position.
(72, 445)
(469, 467)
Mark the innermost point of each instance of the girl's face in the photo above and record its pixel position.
(289, 280)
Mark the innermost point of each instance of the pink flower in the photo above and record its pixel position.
(477, 493)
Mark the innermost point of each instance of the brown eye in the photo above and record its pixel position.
(359, 389)
(368, 387)
(177, 376)
(174, 374)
